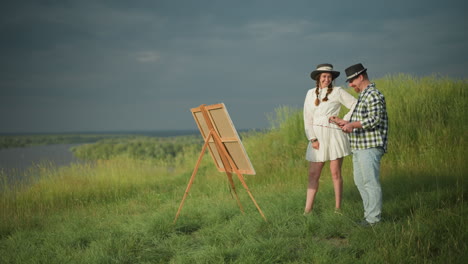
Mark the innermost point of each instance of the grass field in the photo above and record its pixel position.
(121, 209)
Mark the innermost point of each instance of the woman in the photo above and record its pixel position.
(326, 140)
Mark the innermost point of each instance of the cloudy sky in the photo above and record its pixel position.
(81, 66)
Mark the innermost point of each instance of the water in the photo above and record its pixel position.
(15, 161)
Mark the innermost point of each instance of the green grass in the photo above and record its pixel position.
(121, 209)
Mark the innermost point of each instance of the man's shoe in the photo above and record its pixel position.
(364, 223)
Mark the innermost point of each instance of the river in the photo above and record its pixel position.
(15, 161)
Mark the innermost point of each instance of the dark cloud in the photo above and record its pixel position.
(119, 65)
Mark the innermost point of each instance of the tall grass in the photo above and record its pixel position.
(121, 209)
(427, 119)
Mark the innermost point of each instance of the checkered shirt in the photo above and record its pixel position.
(371, 110)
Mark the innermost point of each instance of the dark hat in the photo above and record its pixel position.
(326, 67)
(354, 70)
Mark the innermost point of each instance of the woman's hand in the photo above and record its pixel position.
(316, 145)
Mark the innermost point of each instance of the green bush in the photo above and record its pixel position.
(136, 147)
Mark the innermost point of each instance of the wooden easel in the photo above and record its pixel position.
(227, 162)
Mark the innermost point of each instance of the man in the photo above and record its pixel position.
(368, 130)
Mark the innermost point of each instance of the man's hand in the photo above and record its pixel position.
(347, 128)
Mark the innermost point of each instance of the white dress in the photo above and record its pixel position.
(334, 143)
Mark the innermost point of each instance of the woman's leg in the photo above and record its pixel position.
(335, 168)
(315, 168)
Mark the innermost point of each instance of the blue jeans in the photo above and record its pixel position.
(366, 165)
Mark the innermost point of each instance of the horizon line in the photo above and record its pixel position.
(123, 132)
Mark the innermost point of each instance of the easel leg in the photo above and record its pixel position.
(229, 175)
(241, 179)
(192, 178)
(229, 163)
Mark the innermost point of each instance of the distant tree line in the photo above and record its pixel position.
(137, 147)
(17, 141)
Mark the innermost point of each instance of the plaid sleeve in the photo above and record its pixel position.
(375, 108)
